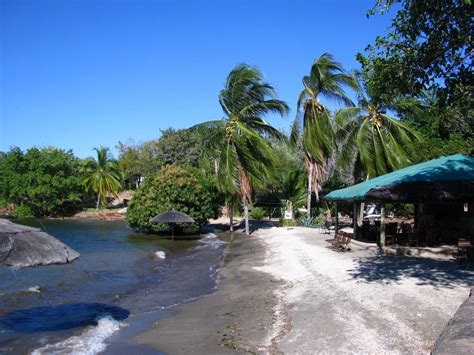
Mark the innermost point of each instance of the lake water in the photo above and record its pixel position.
(119, 278)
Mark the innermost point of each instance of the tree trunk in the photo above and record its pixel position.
(98, 202)
(230, 210)
(216, 167)
(382, 228)
(362, 208)
(310, 188)
(361, 213)
(354, 221)
(246, 215)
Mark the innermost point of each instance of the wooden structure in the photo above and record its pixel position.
(445, 181)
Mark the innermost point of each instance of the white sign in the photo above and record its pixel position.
(288, 214)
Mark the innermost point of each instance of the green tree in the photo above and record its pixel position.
(431, 123)
(428, 46)
(181, 188)
(44, 181)
(130, 164)
(380, 142)
(312, 124)
(103, 175)
(246, 158)
(180, 147)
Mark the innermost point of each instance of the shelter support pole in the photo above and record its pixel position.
(382, 227)
(336, 227)
(361, 214)
(415, 216)
(354, 221)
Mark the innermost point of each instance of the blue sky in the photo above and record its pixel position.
(77, 74)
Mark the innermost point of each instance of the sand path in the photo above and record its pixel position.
(357, 301)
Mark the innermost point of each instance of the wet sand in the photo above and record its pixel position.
(238, 317)
(282, 290)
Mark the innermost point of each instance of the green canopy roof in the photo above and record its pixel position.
(442, 179)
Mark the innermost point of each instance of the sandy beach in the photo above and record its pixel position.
(283, 290)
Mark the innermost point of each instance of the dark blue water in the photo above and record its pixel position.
(117, 276)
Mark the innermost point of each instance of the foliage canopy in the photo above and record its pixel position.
(45, 181)
(429, 46)
(183, 189)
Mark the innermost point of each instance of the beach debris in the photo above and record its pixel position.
(160, 255)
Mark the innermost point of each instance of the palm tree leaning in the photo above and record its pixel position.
(244, 156)
(312, 124)
(103, 175)
(368, 134)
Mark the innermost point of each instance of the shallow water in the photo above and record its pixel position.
(118, 276)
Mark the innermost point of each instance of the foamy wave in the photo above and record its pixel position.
(211, 240)
(91, 341)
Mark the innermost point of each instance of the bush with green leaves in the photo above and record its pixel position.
(22, 211)
(42, 181)
(257, 213)
(183, 189)
(307, 222)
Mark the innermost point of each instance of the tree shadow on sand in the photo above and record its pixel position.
(392, 269)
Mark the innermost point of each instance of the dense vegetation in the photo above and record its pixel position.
(42, 182)
(413, 103)
(183, 189)
(427, 55)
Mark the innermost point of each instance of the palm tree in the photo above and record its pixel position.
(368, 134)
(103, 175)
(313, 120)
(244, 157)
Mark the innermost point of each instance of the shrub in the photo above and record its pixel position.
(287, 222)
(183, 189)
(307, 222)
(22, 211)
(257, 213)
(45, 180)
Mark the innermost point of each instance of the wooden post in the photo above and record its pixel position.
(354, 221)
(336, 227)
(361, 214)
(415, 216)
(382, 227)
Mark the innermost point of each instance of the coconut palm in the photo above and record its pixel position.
(244, 156)
(368, 134)
(103, 175)
(312, 124)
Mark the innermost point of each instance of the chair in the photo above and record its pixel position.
(344, 243)
(337, 238)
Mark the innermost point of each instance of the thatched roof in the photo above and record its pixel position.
(22, 246)
(172, 217)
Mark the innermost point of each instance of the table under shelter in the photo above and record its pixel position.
(441, 190)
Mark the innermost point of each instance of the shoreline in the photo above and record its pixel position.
(234, 318)
(281, 290)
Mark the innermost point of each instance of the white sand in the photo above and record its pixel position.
(357, 301)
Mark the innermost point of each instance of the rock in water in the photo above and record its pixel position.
(22, 246)
(160, 254)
